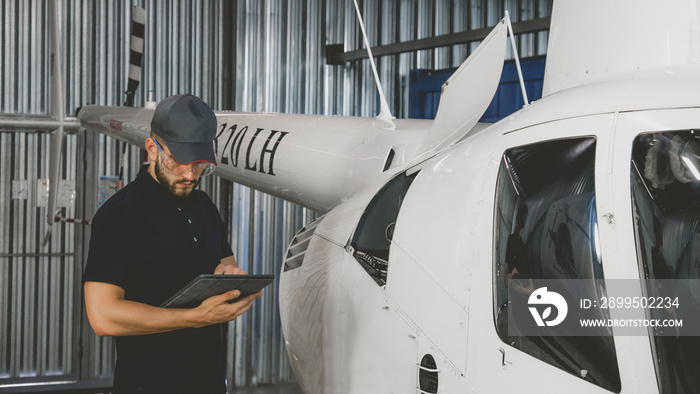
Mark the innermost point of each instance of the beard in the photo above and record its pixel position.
(171, 186)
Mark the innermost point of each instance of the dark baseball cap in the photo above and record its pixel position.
(188, 126)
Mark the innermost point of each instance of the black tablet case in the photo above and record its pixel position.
(207, 285)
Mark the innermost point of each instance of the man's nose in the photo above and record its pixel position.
(190, 175)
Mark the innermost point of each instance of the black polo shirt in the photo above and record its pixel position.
(151, 244)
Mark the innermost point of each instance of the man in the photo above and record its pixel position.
(149, 240)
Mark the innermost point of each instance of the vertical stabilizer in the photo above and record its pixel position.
(138, 27)
(468, 92)
(593, 39)
(384, 111)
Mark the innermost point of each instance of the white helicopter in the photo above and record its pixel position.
(401, 285)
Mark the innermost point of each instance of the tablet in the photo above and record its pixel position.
(207, 285)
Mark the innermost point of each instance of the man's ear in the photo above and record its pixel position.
(152, 149)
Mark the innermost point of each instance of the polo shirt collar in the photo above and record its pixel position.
(158, 193)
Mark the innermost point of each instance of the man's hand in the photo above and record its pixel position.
(228, 266)
(216, 309)
(227, 269)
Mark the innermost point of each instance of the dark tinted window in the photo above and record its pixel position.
(665, 175)
(546, 228)
(375, 230)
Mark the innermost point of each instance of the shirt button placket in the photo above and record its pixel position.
(189, 221)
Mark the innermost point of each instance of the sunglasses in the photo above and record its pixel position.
(199, 169)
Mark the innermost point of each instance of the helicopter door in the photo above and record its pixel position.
(545, 227)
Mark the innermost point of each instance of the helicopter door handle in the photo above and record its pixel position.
(504, 363)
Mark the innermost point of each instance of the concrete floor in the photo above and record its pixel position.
(287, 388)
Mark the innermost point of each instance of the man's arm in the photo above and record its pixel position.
(111, 315)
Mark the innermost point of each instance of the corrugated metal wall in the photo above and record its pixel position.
(37, 284)
(245, 55)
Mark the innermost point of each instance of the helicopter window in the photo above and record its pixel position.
(546, 228)
(375, 230)
(665, 177)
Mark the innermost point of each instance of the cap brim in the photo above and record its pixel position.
(192, 152)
